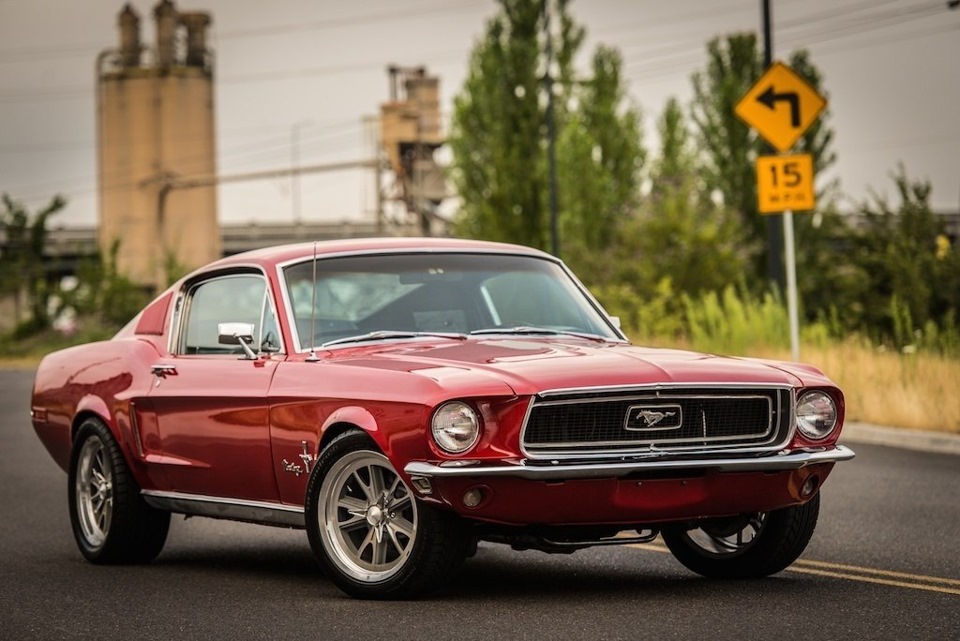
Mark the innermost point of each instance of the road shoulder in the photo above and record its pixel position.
(920, 440)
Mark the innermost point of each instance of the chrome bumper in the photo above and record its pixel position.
(607, 469)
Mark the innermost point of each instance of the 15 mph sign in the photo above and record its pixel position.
(785, 183)
(781, 106)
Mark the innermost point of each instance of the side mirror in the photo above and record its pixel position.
(237, 334)
(616, 321)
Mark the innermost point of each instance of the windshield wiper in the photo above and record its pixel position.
(538, 331)
(381, 334)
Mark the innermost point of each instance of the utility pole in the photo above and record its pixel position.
(551, 136)
(295, 169)
(774, 237)
(776, 241)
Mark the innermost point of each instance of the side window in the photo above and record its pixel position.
(240, 298)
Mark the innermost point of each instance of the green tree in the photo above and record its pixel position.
(730, 148)
(23, 272)
(600, 157)
(496, 134)
(103, 293)
(912, 273)
(498, 138)
(682, 233)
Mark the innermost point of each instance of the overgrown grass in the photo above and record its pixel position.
(883, 387)
(918, 390)
(915, 388)
(28, 350)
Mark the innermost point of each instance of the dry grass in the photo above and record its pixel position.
(914, 391)
(19, 362)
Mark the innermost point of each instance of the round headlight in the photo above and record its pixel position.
(816, 415)
(456, 427)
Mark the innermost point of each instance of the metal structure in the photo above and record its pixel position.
(410, 134)
(155, 124)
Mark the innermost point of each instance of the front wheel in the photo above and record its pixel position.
(748, 546)
(368, 530)
(111, 522)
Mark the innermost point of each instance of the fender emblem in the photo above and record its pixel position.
(292, 467)
(306, 457)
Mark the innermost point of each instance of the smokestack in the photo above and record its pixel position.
(129, 22)
(166, 16)
(196, 23)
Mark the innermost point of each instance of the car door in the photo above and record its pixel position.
(210, 398)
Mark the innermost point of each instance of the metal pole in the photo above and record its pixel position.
(792, 305)
(767, 33)
(774, 242)
(295, 173)
(777, 245)
(205, 181)
(551, 138)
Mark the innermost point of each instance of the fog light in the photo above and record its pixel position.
(810, 486)
(473, 497)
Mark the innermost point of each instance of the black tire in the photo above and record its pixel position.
(111, 522)
(720, 549)
(373, 537)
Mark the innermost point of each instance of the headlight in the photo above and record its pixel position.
(816, 415)
(456, 427)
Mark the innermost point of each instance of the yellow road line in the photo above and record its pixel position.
(856, 573)
(871, 579)
(888, 573)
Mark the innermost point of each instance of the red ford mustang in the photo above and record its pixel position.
(403, 399)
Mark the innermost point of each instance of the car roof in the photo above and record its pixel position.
(271, 256)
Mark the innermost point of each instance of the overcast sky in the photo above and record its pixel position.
(891, 69)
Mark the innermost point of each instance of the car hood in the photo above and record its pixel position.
(530, 366)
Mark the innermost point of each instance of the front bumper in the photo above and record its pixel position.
(551, 471)
(627, 493)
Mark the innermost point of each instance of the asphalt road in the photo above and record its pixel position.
(883, 565)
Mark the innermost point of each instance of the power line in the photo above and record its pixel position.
(362, 20)
(668, 65)
(39, 53)
(275, 151)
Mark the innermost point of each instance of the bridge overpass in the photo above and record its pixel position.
(66, 247)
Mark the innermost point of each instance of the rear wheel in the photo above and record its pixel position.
(110, 520)
(368, 530)
(748, 546)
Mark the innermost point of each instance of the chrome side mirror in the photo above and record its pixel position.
(237, 334)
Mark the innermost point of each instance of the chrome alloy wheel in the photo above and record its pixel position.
(94, 492)
(726, 538)
(368, 517)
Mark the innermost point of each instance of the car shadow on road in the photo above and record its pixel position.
(494, 573)
(593, 573)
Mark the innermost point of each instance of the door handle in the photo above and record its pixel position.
(163, 370)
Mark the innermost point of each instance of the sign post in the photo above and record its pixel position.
(781, 106)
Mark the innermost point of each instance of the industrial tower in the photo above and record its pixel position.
(155, 124)
(410, 134)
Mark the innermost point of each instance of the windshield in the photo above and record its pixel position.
(423, 294)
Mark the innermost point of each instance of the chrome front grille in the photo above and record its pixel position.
(608, 422)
